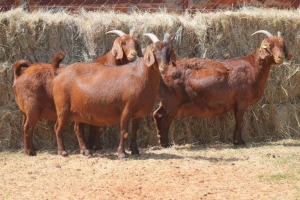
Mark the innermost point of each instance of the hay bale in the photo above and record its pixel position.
(7, 98)
(226, 34)
(10, 132)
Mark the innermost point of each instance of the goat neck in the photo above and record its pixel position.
(148, 77)
(260, 72)
(109, 59)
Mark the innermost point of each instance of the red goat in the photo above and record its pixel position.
(89, 93)
(33, 86)
(206, 88)
(33, 92)
(125, 49)
(125, 44)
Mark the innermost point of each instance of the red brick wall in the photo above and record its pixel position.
(8, 4)
(152, 5)
(221, 4)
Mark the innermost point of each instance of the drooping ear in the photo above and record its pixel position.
(149, 57)
(288, 56)
(264, 51)
(117, 50)
(19, 67)
(173, 58)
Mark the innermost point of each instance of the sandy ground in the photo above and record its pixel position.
(219, 171)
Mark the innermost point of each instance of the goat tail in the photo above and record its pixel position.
(57, 60)
(18, 67)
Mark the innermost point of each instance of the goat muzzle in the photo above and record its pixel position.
(132, 56)
(163, 68)
(279, 60)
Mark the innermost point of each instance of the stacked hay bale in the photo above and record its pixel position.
(219, 35)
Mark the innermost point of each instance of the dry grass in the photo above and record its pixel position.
(219, 171)
(37, 36)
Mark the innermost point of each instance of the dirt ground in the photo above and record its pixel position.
(218, 171)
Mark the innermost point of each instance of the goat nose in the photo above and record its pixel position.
(133, 53)
(280, 57)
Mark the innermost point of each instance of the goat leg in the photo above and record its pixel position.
(125, 119)
(239, 118)
(135, 127)
(94, 137)
(59, 136)
(28, 126)
(162, 123)
(78, 127)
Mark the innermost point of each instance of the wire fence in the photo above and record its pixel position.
(126, 6)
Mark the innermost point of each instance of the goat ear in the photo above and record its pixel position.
(117, 51)
(173, 58)
(149, 57)
(288, 56)
(264, 51)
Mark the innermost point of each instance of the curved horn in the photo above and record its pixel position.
(279, 34)
(267, 33)
(131, 32)
(118, 32)
(152, 37)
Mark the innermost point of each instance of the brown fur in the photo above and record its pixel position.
(125, 45)
(33, 90)
(207, 88)
(89, 93)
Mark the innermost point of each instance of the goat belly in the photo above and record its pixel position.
(202, 110)
(95, 120)
(96, 114)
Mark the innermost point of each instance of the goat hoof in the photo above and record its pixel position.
(122, 155)
(85, 152)
(135, 152)
(165, 145)
(239, 143)
(134, 149)
(97, 147)
(30, 152)
(63, 153)
(164, 142)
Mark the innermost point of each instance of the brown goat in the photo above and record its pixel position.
(33, 92)
(207, 88)
(124, 44)
(89, 93)
(33, 86)
(125, 49)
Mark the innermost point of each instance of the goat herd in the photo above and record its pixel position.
(120, 87)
